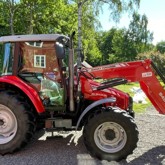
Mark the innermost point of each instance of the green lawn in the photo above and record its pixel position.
(138, 107)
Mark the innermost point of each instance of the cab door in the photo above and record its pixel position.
(39, 67)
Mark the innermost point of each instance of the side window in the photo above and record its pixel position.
(39, 61)
(40, 68)
(65, 63)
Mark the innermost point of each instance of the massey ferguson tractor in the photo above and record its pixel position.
(41, 87)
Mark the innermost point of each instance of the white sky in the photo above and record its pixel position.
(155, 12)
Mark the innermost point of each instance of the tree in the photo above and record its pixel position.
(7, 15)
(44, 16)
(116, 7)
(138, 31)
(160, 46)
(40, 16)
(105, 45)
(138, 37)
(125, 44)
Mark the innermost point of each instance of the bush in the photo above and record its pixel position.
(157, 58)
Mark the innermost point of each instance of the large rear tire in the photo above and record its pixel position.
(17, 122)
(110, 134)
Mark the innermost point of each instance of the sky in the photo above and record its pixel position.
(153, 9)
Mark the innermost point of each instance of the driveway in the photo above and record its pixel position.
(71, 151)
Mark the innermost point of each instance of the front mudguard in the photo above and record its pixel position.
(91, 106)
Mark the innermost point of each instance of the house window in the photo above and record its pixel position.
(40, 61)
(35, 44)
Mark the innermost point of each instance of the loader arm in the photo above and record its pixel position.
(144, 72)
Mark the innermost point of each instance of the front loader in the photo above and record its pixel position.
(41, 87)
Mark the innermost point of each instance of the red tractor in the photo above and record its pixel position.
(40, 84)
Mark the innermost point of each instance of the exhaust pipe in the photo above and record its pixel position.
(71, 74)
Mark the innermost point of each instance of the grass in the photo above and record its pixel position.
(137, 107)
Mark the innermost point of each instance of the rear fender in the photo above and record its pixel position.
(95, 104)
(30, 92)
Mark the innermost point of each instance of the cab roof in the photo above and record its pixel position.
(34, 37)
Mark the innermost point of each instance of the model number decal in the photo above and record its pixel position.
(162, 96)
(147, 74)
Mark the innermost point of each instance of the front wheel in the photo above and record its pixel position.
(110, 134)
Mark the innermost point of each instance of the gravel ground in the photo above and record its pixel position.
(64, 151)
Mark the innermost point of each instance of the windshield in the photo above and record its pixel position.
(7, 63)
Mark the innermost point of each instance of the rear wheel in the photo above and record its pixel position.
(17, 123)
(110, 134)
(8, 124)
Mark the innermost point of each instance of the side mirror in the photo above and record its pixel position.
(60, 51)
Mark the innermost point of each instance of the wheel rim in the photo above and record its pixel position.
(8, 124)
(110, 137)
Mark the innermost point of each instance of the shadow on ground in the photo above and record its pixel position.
(154, 156)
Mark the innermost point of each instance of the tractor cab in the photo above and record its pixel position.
(41, 63)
